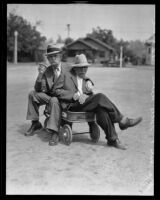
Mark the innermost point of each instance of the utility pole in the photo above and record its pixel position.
(121, 56)
(68, 30)
(15, 47)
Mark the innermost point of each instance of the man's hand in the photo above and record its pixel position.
(76, 96)
(41, 68)
(82, 98)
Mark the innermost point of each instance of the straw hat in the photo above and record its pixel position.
(53, 49)
(80, 61)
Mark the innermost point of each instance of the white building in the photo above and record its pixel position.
(150, 44)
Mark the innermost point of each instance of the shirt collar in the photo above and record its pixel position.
(58, 68)
(79, 78)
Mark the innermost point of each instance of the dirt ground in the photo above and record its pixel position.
(34, 167)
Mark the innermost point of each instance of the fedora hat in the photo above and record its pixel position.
(80, 61)
(52, 49)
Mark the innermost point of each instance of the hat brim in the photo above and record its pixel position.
(55, 52)
(80, 65)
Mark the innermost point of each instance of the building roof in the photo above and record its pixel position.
(84, 42)
(101, 43)
(151, 40)
(90, 45)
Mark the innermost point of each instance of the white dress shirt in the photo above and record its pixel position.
(58, 70)
(80, 82)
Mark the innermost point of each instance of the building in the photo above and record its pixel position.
(95, 50)
(150, 55)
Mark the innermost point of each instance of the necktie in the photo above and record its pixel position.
(55, 75)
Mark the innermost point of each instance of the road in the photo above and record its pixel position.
(34, 167)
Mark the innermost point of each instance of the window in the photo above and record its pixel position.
(101, 54)
(71, 53)
(149, 50)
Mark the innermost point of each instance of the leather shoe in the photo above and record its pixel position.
(35, 126)
(117, 144)
(130, 123)
(54, 139)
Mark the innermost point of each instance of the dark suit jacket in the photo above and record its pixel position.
(37, 85)
(48, 85)
(67, 86)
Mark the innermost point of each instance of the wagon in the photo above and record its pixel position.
(69, 117)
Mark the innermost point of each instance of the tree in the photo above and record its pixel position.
(68, 40)
(28, 38)
(50, 41)
(59, 39)
(103, 35)
(137, 51)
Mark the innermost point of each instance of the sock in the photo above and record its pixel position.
(123, 120)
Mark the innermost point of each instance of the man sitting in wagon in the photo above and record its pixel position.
(44, 95)
(75, 93)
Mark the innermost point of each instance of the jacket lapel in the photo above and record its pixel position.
(74, 79)
(60, 76)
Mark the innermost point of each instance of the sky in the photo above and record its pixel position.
(128, 22)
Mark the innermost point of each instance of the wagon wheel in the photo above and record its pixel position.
(63, 122)
(45, 122)
(66, 134)
(94, 132)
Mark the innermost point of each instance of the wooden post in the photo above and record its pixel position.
(121, 56)
(68, 30)
(15, 47)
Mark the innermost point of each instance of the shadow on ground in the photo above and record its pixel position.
(23, 128)
(45, 136)
(42, 134)
(86, 139)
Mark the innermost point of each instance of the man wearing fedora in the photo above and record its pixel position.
(44, 94)
(76, 95)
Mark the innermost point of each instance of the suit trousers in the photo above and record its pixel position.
(36, 99)
(106, 113)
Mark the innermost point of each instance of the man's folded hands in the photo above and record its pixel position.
(80, 97)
